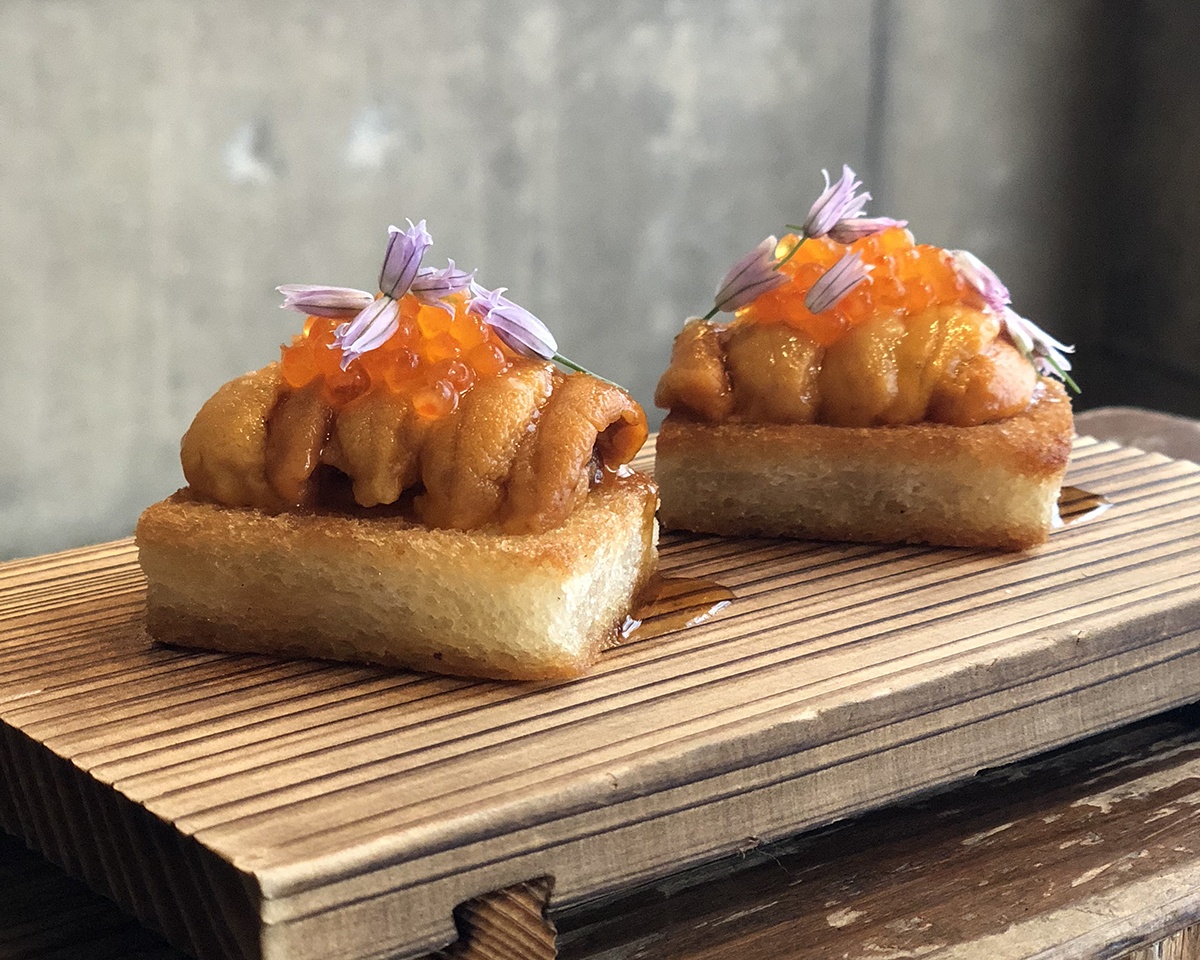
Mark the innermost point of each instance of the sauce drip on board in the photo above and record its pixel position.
(666, 604)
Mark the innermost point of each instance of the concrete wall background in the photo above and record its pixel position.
(164, 164)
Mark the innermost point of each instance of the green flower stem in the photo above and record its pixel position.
(1065, 376)
(792, 252)
(572, 365)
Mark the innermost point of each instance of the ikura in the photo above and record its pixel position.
(906, 277)
(433, 358)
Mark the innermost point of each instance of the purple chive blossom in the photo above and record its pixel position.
(372, 327)
(378, 321)
(513, 324)
(338, 303)
(402, 261)
(837, 212)
(836, 282)
(979, 275)
(751, 276)
(431, 286)
(837, 202)
(371, 322)
(855, 228)
(1038, 347)
(1033, 343)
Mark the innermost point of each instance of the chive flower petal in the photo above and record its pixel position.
(405, 250)
(750, 277)
(836, 282)
(513, 324)
(431, 286)
(855, 228)
(979, 275)
(338, 303)
(1033, 343)
(837, 202)
(1036, 345)
(371, 328)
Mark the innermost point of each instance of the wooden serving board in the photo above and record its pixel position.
(252, 807)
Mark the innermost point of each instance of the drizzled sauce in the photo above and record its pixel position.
(1076, 506)
(666, 604)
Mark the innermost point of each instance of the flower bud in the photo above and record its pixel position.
(979, 275)
(855, 228)
(514, 325)
(431, 286)
(339, 303)
(836, 282)
(837, 202)
(405, 250)
(372, 327)
(750, 277)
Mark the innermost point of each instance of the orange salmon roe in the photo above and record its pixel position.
(433, 358)
(907, 277)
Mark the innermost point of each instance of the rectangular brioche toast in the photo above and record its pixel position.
(384, 590)
(994, 485)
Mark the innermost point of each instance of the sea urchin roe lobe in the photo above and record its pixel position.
(433, 358)
(896, 368)
(696, 378)
(914, 342)
(551, 471)
(773, 369)
(945, 364)
(519, 453)
(906, 277)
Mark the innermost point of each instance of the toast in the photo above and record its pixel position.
(388, 591)
(992, 485)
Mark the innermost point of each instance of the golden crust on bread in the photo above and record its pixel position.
(991, 485)
(383, 590)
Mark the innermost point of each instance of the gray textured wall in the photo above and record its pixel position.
(165, 164)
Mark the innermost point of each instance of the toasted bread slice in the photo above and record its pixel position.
(994, 485)
(384, 590)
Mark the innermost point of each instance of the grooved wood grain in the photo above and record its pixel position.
(508, 924)
(1089, 851)
(252, 807)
